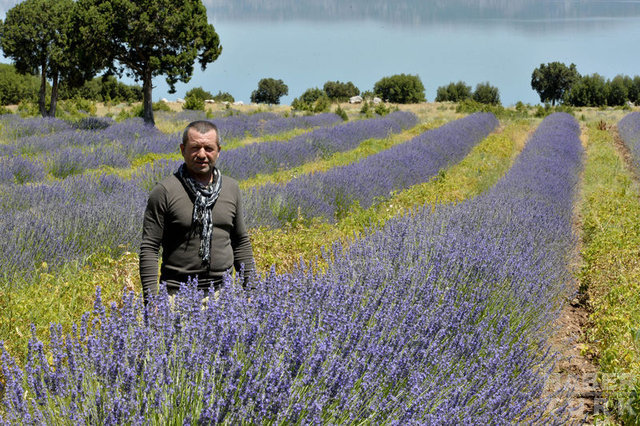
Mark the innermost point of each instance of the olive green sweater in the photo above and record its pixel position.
(167, 225)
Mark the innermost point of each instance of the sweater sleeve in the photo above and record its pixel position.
(242, 250)
(152, 231)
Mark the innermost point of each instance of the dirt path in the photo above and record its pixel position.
(574, 370)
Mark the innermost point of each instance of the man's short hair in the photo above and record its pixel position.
(202, 127)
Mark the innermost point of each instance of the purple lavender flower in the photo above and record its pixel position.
(330, 194)
(250, 160)
(629, 130)
(440, 317)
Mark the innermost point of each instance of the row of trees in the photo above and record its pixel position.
(68, 42)
(557, 82)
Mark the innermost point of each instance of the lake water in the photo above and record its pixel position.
(308, 43)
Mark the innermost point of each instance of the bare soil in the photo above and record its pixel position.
(575, 369)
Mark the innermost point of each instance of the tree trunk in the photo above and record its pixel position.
(54, 94)
(147, 100)
(42, 99)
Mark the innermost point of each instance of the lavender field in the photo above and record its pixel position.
(444, 315)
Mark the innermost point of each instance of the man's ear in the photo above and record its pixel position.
(182, 148)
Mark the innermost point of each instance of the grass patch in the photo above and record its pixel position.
(610, 275)
(62, 297)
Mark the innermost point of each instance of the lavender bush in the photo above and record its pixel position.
(629, 130)
(75, 217)
(330, 194)
(69, 149)
(20, 169)
(439, 318)
(65, 221)
(250, 160)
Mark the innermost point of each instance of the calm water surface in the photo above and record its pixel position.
(307, 44)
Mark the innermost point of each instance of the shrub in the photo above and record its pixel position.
(401, 89)
(193, 102)
(16, 88)
(269, 91)
(338, 91)
(382, 109)
(485, 93)
(312, 100)
(342, 113)
(223, 97)
(199, 93)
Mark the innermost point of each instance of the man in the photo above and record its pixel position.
(195, 215)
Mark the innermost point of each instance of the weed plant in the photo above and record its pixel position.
(610, 276)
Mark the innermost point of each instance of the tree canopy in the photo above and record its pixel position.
(37, 35)
(553, 80)
(401, 89)
(339, 91)
(148, 38)
(269, 91)
(453, 92)
(485, 93)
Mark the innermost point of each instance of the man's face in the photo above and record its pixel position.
(200, 154)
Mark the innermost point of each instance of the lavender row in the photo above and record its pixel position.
(56, 239)
(251, 160)
(439, 318)
(71, 151)
(629, 130)
(66, 221)
(332, 193)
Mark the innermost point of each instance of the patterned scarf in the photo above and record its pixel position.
(205, 198)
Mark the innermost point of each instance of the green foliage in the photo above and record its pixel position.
(366, 109)
(485, 93)
(28, 109)
(15, 87)
(617, 91)
(223, 97)
(453, 92)
(589, 90)
(610, 275)
(103, 89)
(193, 102)
(312, 100)
(633, 89)
(342, 113)
(199, 93)
(148, 38)
(160, 106)
(269, 91)
(553, 80)
(381, 109)
(401, 89)
(38, 36)
(543, 111)
(338, 91)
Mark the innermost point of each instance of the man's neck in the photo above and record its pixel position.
(204, 180)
